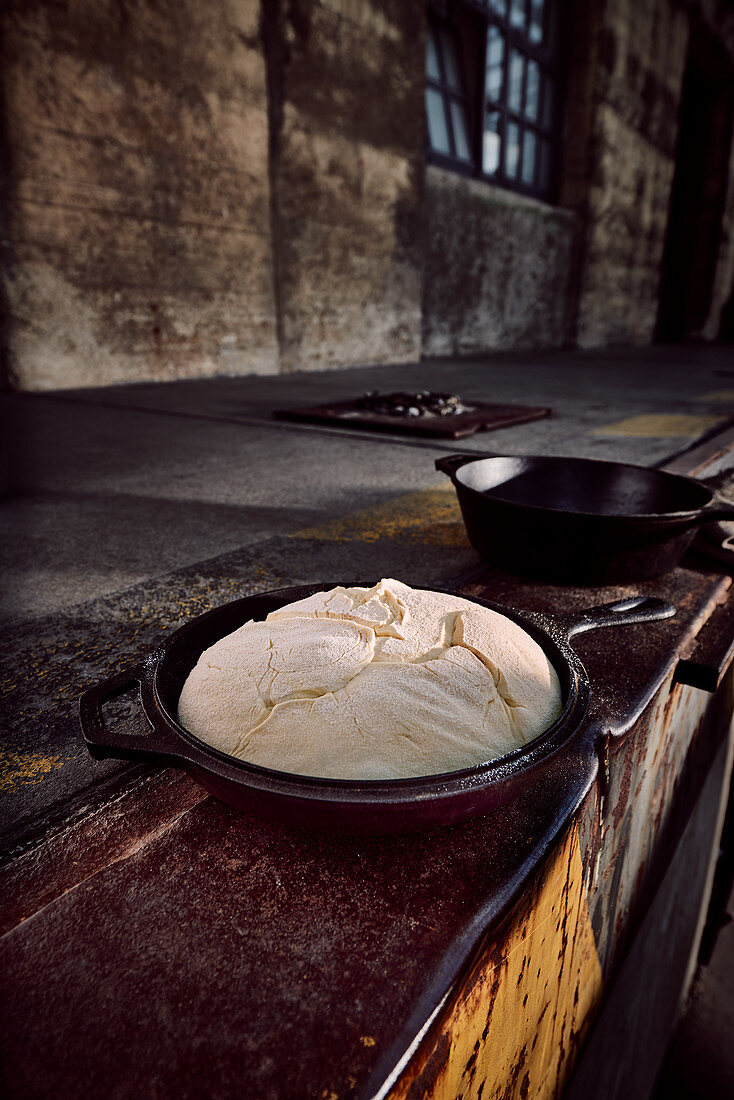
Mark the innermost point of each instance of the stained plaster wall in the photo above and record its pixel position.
(719, 19)
(238, 186)
(137, 192)
(235, 188)
(496, 269)
(348, 165)
(639, 49)
(198, 188)
(722, 297)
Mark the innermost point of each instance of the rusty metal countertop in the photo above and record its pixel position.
(159, 942)
(182, 944)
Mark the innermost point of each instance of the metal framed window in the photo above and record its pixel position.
(508, 130)
(446, 101)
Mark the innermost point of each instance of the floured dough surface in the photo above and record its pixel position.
(380, 683)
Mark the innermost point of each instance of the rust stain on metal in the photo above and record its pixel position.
(646, 773)
(431, 1067)
(620, 806)
(86, 847)
(513, 1025)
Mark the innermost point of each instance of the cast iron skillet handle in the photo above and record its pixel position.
(718, 481)
(449, 464)
(634, 609)
(103, 743)
(722, 504)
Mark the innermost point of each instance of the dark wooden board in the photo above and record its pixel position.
(483, 417)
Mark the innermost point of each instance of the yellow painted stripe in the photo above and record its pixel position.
(22, 768)
(724, 396)
(429, 516)
(663, 425)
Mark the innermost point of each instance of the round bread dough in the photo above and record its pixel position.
(372, 683)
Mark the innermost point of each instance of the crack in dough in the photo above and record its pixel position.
(261, 664)
(372, 683)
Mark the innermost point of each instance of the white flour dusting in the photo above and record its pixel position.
(379, 683)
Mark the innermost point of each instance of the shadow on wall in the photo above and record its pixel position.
(687, 307)
(6, 255)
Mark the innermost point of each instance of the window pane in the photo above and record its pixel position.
(544, 176)
(458, 121)
(517, 14)
(512, 150)
(514, 91)
(549, 99)
(499, 6)
(495, 59)
(529, 143)
(535, 31)
(438, 134)
(432, 56)
(532, 91)
(491, 143)
(450, 61)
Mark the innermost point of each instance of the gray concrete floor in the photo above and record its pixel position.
(106, 497)
(108, 487)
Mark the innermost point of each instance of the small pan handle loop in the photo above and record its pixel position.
(104, 743)
(633, 609)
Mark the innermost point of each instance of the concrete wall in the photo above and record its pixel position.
(639, 52)
(138, 194)
(719, 20)
(496, 270)
(203, 187)
(197, 187)
(723, 288)
(348, 165)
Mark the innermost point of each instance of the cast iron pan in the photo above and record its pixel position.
(580, 520)
(350, 806)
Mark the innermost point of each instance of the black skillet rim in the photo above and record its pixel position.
(545, 630)
(648, 517)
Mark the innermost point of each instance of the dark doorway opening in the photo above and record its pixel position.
(699, 189)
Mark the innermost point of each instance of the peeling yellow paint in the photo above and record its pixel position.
(23, 768)
(513, 1025)
(661, 425)
(429, 516)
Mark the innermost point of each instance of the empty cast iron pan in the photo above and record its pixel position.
(579, 520)
(349, 806)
